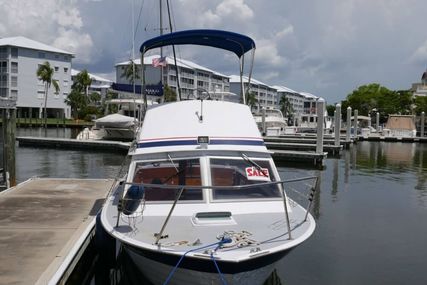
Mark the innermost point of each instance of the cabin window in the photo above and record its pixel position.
(178, 172)
(234, 172)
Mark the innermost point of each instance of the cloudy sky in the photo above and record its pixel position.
(327, 47)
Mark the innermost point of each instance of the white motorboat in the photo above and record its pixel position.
(272, 122)
(202, 202)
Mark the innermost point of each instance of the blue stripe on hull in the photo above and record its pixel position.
(194, 142)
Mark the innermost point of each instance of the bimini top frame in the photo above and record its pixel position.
(236, 43)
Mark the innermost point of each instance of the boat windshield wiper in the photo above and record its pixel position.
(254, 164)
(173, 163)
(182, 168)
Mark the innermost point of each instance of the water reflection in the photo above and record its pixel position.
(368, 231)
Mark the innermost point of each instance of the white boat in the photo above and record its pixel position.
(119, 126)
(272, 123)
(202, 202)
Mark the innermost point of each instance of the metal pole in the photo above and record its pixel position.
(355, 123)
(320, 127)
(337, 124)
(422, 124)
(159, 235)
(348, 132)
(285, 205)
(263, 122)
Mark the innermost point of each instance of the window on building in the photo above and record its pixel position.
(3, 52)
(40, 94)
(65, 83)
(14, 81)
(56, 68)
(65, 69)
(14, 94)
(3, 66)
(56, 56)
(42, 55)
(14, 52)
(14, 67)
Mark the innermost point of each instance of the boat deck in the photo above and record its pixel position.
(41, 221)
(266, 230)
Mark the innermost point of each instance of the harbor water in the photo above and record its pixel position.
(371, 209)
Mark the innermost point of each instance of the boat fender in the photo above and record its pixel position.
(132, 199)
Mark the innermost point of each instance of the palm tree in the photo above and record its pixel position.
(82, 81)
(45, 74)
(251, 99)
(131, 72)
(285, 107)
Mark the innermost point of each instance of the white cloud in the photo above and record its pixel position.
(420, 54)
(52, 22)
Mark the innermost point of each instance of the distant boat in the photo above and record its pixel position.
(202, 202)
(119, 126)
(273, 122)
(400, 126)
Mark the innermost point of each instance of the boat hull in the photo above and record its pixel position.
(156, 267)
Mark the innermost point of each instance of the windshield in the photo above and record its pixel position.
(233, 172)
(172, 172)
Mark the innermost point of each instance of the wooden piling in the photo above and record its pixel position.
(9, 128)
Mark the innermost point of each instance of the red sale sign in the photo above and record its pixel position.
(253, 173)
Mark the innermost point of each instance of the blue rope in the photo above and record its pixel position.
(218, 244)
(221, 276)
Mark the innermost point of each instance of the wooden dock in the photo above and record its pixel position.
(73, 143)
(393, 139)
(44, 225)
(317, 159)
(301, 152)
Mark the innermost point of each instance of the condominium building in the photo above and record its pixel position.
(265, 95)
(20, 58)
(193, 78)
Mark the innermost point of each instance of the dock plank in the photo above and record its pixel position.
(40, 220)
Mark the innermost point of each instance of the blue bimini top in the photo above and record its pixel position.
(236, 43)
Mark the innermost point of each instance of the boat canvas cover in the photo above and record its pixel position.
(177, 126)
(115, 121)
(236, 43)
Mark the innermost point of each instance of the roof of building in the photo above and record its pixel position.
(308, 95)
(281, 88)
(74, 72)
(148, 60)
(236, 78)
(30, 44)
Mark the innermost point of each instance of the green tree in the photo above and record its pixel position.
(169, 94)
(251, 100)
(330, 109)
(420, 104)
(374, 97)
(131, 72)
(94, 98)
(45, 74)
(77, 101)
(286, 107)
(82, 81)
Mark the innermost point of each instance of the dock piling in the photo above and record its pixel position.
(9, 127)
(422, 124)
(377, 121)
(348, 132)
(356, 113)
(337, 124)
(320, 127)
